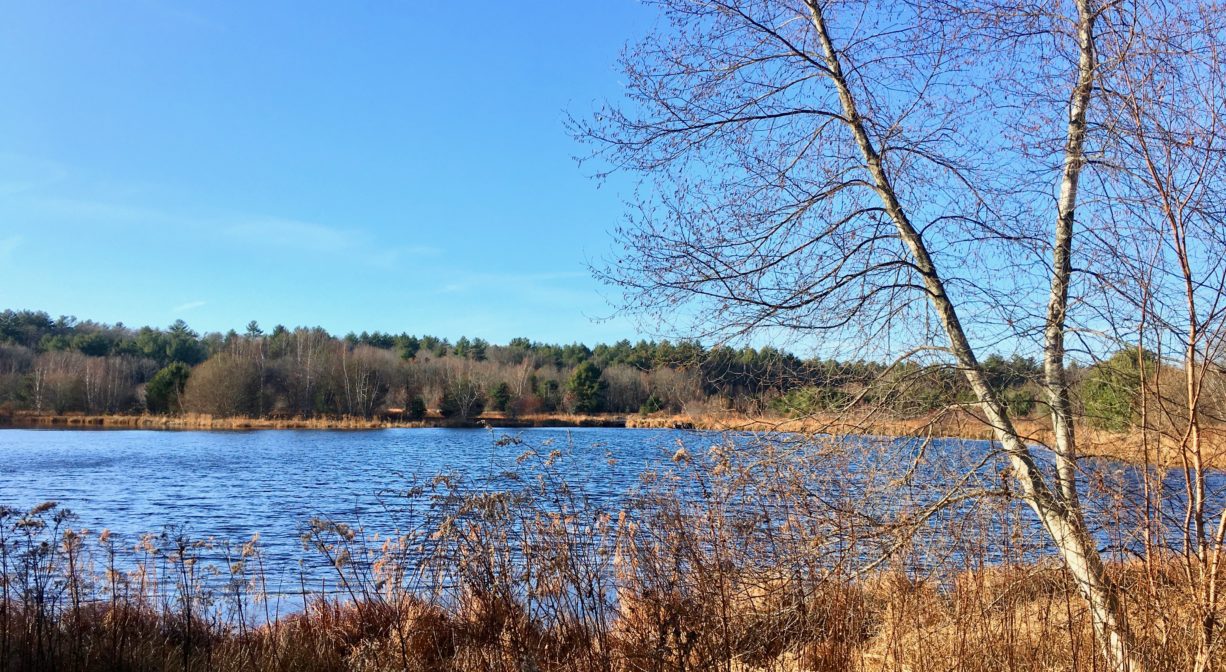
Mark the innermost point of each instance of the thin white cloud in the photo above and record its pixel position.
(291, 233)
(20, 173)
(190, 305)
(8, 245)
(542, 287)
(103, 211)
(420, 251)
(269, 233)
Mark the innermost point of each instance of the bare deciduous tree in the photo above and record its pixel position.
(1167, 113)
(900, 174)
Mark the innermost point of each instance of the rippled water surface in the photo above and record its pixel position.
(230, 485)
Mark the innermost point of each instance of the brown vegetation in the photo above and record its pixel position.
(720, 562)
(1127, 446)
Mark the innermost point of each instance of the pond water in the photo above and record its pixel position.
(230, 485)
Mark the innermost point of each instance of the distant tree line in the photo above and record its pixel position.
(65, 365)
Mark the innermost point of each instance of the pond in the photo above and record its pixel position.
(229, 485)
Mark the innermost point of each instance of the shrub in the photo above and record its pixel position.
(1019, 402)
(1111, 391)
(808, 400)
(415, 409)
(225, 386)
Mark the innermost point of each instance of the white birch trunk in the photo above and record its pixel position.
(1060, 515)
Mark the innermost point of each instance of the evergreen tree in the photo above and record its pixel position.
(500, 397)
(164, 391)
(585, 388)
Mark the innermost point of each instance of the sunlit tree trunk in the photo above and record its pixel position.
(1059, 511)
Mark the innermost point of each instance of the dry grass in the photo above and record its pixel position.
(1016, 618)
(1133, 447)
(716, 563)
(198, 421)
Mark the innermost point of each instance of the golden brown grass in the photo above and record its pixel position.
(198, 421)
(1018, 618)
(717, 564)
(1133, 447)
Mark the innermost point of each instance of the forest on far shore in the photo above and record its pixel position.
(69, 366)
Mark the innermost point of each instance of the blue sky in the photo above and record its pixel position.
(399, 166)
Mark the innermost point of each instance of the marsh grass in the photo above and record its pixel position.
(823, 558)
(954, 422)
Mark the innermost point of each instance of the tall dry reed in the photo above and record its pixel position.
(806, 555)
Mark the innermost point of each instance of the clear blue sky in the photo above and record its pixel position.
(399, 166)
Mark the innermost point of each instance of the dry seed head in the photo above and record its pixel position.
(43, 508)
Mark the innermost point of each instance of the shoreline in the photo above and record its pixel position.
(210, 423)
(967, 427)
(957, 424)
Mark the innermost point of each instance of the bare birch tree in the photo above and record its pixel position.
(907, 175)
(1168, 157)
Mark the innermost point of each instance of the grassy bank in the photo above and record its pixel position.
(210, 422)
(688, 575)
(1134, 447)
(1014, 618)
